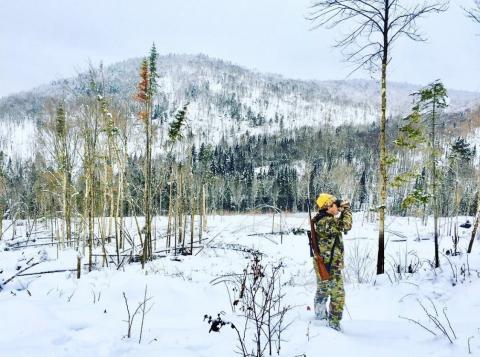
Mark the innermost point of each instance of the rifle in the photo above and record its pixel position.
(314, 251)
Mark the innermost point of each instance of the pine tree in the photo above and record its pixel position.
(175, 130)
(431, 101)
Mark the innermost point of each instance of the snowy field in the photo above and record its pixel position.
(54, 314)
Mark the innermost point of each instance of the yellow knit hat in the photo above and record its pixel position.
(324, 200)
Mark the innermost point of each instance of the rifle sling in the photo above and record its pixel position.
(335, 242)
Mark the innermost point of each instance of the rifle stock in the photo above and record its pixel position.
(312, 236)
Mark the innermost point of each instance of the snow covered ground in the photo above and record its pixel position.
(57, 315)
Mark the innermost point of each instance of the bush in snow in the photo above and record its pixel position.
(435, 324)
(359, 264)
(258, 297)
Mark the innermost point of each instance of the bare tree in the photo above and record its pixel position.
(474, 12)
(375, 26)
(112, 129)
(142, 309)
(59, 138)
(90, 121)
(65, 168)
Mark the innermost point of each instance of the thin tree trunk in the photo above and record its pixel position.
(192, 216)
(91, 224)
(119, 216)
(66, 202)
(202, 213)
(383, 159)
(180, 209)
(475, 226)
(170, 212)
(185, 216)
(123, 188)
(2, 210)
(204, 208)
(175, 219)
(147, 246)
(89, 188)
(434, 187)
(101, 224)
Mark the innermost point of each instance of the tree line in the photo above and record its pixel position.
(88, 167)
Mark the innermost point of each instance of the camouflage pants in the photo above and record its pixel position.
(334, 289)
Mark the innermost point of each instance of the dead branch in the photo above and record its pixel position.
(419, 324)
(21, 271)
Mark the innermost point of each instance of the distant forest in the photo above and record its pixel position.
(258, 171)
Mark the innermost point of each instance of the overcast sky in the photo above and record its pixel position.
(43, 40)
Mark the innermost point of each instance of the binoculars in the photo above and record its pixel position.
(342, 203)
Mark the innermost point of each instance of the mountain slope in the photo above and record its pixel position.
(225, 99)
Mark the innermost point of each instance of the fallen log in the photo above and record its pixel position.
(48, 272)
(20, 272)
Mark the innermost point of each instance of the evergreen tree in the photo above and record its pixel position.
(431, 101)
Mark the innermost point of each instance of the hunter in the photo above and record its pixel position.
(333, 219)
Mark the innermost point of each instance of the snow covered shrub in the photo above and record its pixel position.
(460, 272)
(258, 297)
(455, 240)
(403, 265)
(435, 323)
(143, 308)
(359, 264)
(218, 323)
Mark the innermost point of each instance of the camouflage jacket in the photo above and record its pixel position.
(330, 237)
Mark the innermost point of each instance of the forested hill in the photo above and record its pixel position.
(250, 139)
(225, 99)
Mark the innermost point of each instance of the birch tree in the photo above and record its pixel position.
(374, 26)
(113, 177)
